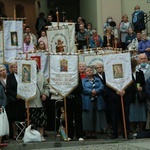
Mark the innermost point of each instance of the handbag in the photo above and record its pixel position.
(31, 135)
(4, 125)
(142, 96)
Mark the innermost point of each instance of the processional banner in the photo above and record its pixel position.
(118, 70)
(13, 39)
(64, 73)
(71, 27)
(41, 58)
(27, 78)
(58, 40)
(1, 47)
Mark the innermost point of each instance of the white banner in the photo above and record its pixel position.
(1, 46)
(118, 70)
(58, 40)
(27, 78)
(64, 73)
(42, 60)
(92, 60)
(71, 27)
(13, 39)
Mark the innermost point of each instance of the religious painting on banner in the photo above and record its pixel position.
(58, 40)
(27, 78)
(42, 58)
(71, 27)
(64, 73)
(37, 59)
(1, 47)
(13, 39)
(117, 70)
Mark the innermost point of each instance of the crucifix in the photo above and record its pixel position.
(63, 15)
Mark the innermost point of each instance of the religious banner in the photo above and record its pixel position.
(27, 78)
(13, 39)
(118, 70)
(71, 27)
(1, 47)
(64, 73)
(92, 60)
(42, 59)
(58, 40)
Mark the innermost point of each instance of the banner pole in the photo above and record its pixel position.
(66, 122)
(123, 117)
(14, 12)
(57, 15)
(28, 114)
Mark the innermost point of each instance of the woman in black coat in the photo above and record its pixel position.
(16, 106)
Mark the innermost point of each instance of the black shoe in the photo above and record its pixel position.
(113, 136)
(45, 134)
(93, 137)
(87, 137)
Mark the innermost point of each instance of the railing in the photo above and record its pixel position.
(147, 21)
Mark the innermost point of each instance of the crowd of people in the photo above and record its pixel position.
(92, 106)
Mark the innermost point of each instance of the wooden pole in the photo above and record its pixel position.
(28, 113)
(123, 117)
(14, 12)
(66, 122)
(57, 15)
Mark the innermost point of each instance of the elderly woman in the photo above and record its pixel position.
(93, 103)
(3, 76)
(16, 106)
(95, 40)
(144, 45)
(108, 38)
(38, 116)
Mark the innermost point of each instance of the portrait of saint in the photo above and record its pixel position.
(14, 38)
(59, 46)
(118, 71)
(26, 73)
(63, 65)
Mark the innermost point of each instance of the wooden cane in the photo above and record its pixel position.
(123, 116)
(65, 111)
(28, 113)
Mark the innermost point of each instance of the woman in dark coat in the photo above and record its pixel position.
(16, 106)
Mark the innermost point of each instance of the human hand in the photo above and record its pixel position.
(43, 97)
(94, 92)
(139, 88)
(18, 98)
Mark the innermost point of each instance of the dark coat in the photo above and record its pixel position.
(110, 41)
(139, 25)
(76, 93)
(11, 85)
